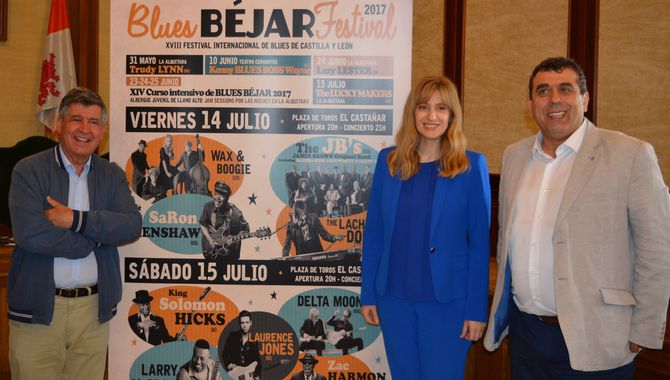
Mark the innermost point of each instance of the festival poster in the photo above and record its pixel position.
(249, 132)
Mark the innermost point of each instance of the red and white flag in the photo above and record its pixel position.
(58, 72)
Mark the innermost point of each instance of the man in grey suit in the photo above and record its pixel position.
(583, 246)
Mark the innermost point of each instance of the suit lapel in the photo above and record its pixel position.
(513, 171)
(395, 184)
(514, 164)
(585, 162)
(441, 188)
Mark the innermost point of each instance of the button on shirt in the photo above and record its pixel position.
(533, 220)
(80, 272)
(145, 331)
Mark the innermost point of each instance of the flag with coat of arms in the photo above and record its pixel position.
(58, 74)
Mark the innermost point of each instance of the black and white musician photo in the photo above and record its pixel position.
(354, 201)
(305, 194)
(151, 189)
(188, 160)
(140, 165)
(305, 232)
(291, 180)
(201, 366)
(332, 198)
(308, 362)
(221, 222)
(366, 183)
(240, 356)
(313, 333)
(146, 325)
(344, 332)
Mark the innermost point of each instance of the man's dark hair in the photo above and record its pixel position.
(201, 343)
(300, 207)
(244, 313)
(558, 64)
(83, 96)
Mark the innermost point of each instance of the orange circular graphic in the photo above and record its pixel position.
(220, 163)
(180, 312)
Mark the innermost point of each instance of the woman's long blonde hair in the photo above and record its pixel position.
(404, 160)
(169, 149)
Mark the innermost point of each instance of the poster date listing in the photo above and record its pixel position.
(259, 120)
(267, 272)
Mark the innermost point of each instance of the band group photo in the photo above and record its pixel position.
(173, 174)
(337, 332)
(329, 191)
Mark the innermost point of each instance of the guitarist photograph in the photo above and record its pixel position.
(313, 333)
(200, 367)
(240, 356)
(305, 232)
(346, 332)
(220, 224)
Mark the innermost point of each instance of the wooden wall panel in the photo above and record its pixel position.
(583, 46)
(83, 16)
(3, 20)
(427, 38)
(634, 72)
(504, 41)
(454, 41)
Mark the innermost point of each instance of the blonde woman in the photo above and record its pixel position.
(167, 171)
(426, 244)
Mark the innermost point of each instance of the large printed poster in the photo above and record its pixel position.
(249, 132)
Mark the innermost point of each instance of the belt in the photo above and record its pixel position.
(548, 319)
(77, 292)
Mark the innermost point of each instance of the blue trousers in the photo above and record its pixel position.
(538, 351)
(422, 339)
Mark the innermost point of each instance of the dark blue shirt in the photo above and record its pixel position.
(409, 270)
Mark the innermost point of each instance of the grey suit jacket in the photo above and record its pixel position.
(611, 250)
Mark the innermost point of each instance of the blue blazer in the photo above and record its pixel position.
(459, 235)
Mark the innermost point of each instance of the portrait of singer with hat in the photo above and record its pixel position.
(219, 221)
(140, 165)
(308, 362)
(145, 324)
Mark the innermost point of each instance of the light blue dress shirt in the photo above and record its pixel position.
(81, 272)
